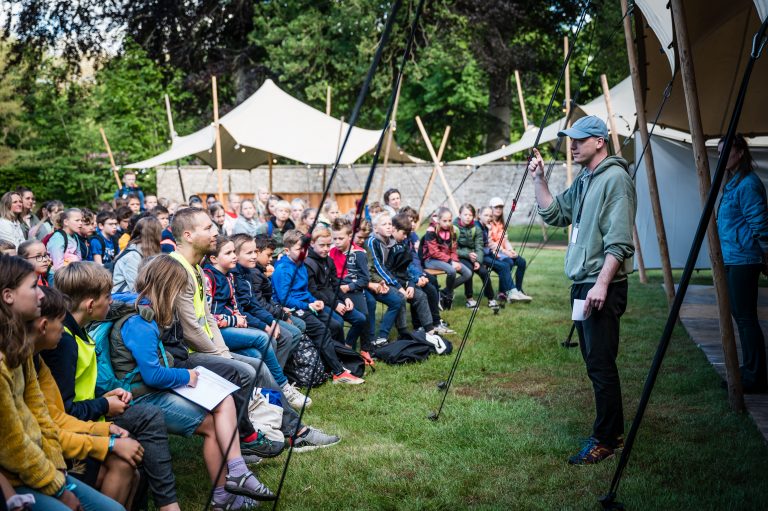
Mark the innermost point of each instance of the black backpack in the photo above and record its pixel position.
(350, 359)
(403, 351)
(299, 367)
(443, 346)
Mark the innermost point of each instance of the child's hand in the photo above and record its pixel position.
(344, 288)
(241, 321)
(472, 257)
(121, 394)
(423, 281)
(317, 305)
(114, 429)
(349, 304)
(512, 253)
(287, 311)
(409, 293)
(456, 266)
(476, 266)
(341, 309)
(269, 270)
(383, 288)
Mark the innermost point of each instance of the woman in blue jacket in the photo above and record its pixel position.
(742, 224)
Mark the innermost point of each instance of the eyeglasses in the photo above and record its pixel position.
(39, 258)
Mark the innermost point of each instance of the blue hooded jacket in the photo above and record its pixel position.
(296, 296)
(248, 303)
(742, 220)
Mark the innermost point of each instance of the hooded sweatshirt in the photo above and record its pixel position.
(296, 295)
(248, 301)
(352, 270)
(440, 244)
(378, 252)
(322, 278)
(607, 200)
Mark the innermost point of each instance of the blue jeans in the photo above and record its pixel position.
(182, 416)
(255, 344)
(394, 302)
(453, 278)
(519, 273)
(502, 269)
(90, 499)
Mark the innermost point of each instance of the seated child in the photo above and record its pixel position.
(103, 250)
(440, 252)
(352, 269)
(383, 285)
(34, 252)
(285, 336)
(277, 226)
(87, 228)
(501, 265)
(497, 237)
(324, 284)
(238, 336)
(470, 249)
(139, 346)
(290, 285)
(63, 245)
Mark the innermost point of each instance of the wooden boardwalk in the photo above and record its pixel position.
(699, 316)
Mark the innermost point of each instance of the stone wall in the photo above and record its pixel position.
(496, 179)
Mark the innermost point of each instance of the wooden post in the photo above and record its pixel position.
(568, 154)
(650, 167)
(617, 151)
(269, 155)
(735, 392)
(438, 165)
(173, 136)
(520, 100)
(217, 130)
(111, 159)
(327, 112)
(432, 176)
(390, 139)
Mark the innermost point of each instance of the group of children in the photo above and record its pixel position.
(170, 290)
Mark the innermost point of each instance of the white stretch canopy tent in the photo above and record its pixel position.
(622, 101)
(272, 122)
(721, 34)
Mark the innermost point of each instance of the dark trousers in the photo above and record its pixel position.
(599, 343)
(146, 423)
(433, 299)
(481, 272)
(363, 328)
(319, 331)
(742, 291)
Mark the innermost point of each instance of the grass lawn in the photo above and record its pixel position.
(519, 406)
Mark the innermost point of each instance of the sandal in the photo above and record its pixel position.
(236, 486)
(229, 505)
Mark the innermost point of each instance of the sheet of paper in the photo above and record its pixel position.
(578, 310)
(211, 389)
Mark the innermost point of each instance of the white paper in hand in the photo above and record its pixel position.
(578, 310)
(211, 389)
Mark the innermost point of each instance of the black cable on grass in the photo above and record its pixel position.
(369, 181)
(608, 501)
(445, 386)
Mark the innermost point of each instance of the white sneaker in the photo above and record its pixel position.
(471, 303)
(516, 295)
(295, 398)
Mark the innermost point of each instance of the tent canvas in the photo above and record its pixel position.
(272, 122)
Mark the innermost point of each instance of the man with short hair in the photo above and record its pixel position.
(600, 206)
(195, 236)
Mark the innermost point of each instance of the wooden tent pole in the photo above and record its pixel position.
(617, 151)
(111, 159)
(433, 174)
(390, 139)
(650, 167)
(269, 155)
(520, 99)
(327, 112)
(735, 391)
(217, 130)
(173, 136)
(438, 166)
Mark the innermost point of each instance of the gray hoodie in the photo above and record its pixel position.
(606, 222)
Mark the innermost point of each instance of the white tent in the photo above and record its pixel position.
(271, 122)
(622, 101)
(720, 33)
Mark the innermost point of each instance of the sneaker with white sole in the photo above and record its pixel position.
(520, 296)
(442, 330)
(314, 439)
(295, 398)
(381, 341)
(471, 303)
(348, 378)
(493, 304)
(445, 326)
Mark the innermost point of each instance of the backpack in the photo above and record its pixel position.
(403, 351)
(440, 346)
(99, 332)
(299, 367)
(111, 266)
(350, 359)
(48, 237)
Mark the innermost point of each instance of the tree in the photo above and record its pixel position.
(509, 35)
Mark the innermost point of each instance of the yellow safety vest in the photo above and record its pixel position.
(199, 299)
(87, 368)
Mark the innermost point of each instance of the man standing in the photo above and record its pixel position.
(600, 206)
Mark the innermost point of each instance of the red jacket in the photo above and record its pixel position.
(440, 244)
